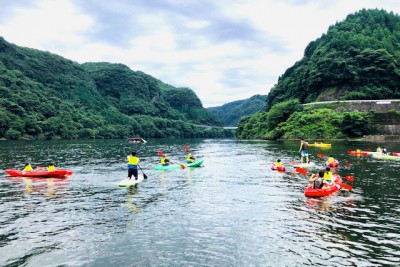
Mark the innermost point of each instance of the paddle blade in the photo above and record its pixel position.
(301, 170)
(347, 163)
(349, 178)
(182, 166)
(321, 155)
(186, 148)
(368, 149)
(292, 163)
(346, 186)
(160, 153)
(349, 151)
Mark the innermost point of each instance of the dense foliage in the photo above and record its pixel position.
(357, 58)
(231, 113)
(44, 96)
(310, 123)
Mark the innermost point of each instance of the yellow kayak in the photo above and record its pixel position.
(318, 144)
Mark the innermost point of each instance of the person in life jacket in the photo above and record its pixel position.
(318, 179)
(304, 150)
(331, 159)
(328, 176)
(384, 151)
(28, 167)
(190, 158)
(133, 162)
(165, 160)
(51, 167)
(278, 163)
(379, 149)
(358, 150)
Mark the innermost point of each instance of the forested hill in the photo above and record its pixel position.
(357, 58)
(231, 113)
(45, 96)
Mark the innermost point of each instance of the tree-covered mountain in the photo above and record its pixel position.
(231, 113)
(45, 96)
(357, 58)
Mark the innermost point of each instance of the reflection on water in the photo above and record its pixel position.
(235, 211)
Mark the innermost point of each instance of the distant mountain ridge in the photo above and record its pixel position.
(231, 113)
(45, 96)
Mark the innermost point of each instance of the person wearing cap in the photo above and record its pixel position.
(133, 162)
(28, 167)
(51, 167)
(190, 158)
(165, 160)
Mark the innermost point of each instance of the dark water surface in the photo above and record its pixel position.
(233, 212)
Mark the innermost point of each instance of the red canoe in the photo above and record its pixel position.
(39, 173)
(311, 192)
(280, 168)
(332, 164)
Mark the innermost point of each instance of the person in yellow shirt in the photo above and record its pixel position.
(28, 167)
(133, 162)
(51, 167)
(331, 159)
(190, 158)
(278, 163)
(328, 176)
(165, 160)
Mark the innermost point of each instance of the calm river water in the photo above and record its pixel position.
(235, 211)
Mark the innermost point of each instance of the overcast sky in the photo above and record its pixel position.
(225, 50)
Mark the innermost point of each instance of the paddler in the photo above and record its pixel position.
(165, 160)
(51, 167)
(133, 162)
(318, 179)
(331, 159)
(28, 167)
(304, 150)
(278, 163)
(328, 176)
(190, 158)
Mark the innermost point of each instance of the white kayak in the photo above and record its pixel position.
(130, 182)
(304, 165)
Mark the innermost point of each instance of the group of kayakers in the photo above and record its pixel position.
(28, 167)
(133, 163)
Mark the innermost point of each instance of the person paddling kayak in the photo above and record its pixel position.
(28, 167)
(190, 158)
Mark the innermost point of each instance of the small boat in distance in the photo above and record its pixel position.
(137, 140)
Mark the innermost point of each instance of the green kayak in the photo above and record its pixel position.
(197, 163)
(377, 156)
(169, 167)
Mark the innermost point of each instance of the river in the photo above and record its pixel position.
(234, 211)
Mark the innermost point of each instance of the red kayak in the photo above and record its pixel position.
(354, 152)
(332, 164)
(311, 192)
(280, 168)
(39, 173)
(396, 154)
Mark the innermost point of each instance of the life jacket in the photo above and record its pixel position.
(328, 177)
(331, 159)
(133, 160)
(164, 160)
(28, 168)
(278, 164)
(51, 168)
(379, 149)
(318, 183)
(190, 158)
(358, 150)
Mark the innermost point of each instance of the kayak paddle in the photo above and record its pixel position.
(321, 156)
(292, 163)
(349, 178)
(347, 163)
(144, 175)
(186, 148)
(301, 170)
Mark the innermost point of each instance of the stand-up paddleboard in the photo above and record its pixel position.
(304, 165)
(126, 182)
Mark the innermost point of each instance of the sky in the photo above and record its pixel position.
(223, 50)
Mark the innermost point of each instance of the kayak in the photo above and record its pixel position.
(311, 192)
(320, 145)
(304, 165)
(130, 182)
(396, 154)
(388, 157)
(353, 152)
(39, 173)
(280, 168)
(197, 163)
(168, 167)
(332, 164)
(374, 153)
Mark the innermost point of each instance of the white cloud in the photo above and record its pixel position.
(185, 50)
